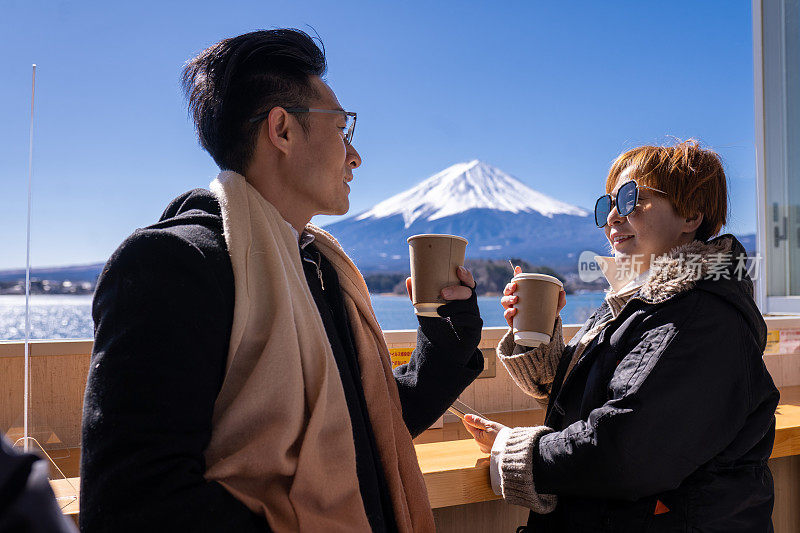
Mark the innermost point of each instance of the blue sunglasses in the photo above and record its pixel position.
(626, 200)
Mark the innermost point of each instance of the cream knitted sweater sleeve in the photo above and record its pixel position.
(515, 463)
(533, 370)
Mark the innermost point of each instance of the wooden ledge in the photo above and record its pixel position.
(68, 494)
(457, 472)
(787, 423)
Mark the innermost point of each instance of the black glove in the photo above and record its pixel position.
(465, 318)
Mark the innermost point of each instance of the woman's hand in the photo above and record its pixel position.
(509, 299)
(454, 292)
(483, 431)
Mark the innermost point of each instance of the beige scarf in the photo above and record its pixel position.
(281, 438)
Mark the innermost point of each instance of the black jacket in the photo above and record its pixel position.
(163, 310)
(670, 403)
(27, 503)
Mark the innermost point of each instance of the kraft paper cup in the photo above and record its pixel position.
(536, 307)
(435, 260)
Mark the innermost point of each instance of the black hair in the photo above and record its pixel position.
(229, 82)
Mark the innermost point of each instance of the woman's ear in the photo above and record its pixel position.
(692, 222)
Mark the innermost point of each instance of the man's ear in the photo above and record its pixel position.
(277, 128)
(692, 222)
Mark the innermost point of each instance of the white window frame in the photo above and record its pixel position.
(766, 303)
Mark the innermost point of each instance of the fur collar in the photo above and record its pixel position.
(679, 269)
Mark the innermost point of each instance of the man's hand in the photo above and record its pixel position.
(483, 431)
(454, 292)
(463, 291)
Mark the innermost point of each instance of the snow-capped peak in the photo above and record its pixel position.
(464, 186)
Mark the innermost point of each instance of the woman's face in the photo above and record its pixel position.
(652, 229)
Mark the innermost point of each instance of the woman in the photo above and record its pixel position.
(660, 411)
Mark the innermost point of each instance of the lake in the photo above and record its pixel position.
(69, 317)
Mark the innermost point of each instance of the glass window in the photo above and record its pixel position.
(778, 66)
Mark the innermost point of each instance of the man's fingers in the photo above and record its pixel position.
(466, 277)
(460, 292)
(456, 292)
(408, 288)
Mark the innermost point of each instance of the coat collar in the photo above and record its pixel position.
(675, 272)
(680, 269)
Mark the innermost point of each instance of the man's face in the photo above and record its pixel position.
(325, 162)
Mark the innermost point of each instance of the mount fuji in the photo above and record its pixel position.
(499, 215)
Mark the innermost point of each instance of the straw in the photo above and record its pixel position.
(460, 409)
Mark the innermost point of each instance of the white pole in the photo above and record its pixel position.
(762, 212)
(28, 275)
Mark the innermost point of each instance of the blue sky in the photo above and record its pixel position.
(550, 92)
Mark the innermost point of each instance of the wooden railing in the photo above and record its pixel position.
(58, 379)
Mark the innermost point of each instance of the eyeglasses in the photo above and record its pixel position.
(349, 118)
(626, 200)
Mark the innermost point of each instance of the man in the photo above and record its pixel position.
(239, 380)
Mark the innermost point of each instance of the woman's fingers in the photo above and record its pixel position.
(481, 436)
(475, 432)
(482, 430)
(517, 270)
(478, 433)
(475, 421)
(508, 301)
(562, 300)
(483, 423)
(509, 316)
(408, 288)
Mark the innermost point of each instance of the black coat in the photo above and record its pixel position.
(670, 403)
(27, 503)
(163, 310)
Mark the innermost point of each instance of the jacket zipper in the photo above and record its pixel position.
(316, 264)
(319, 271)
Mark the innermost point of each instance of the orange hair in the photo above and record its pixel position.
(691, 176)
